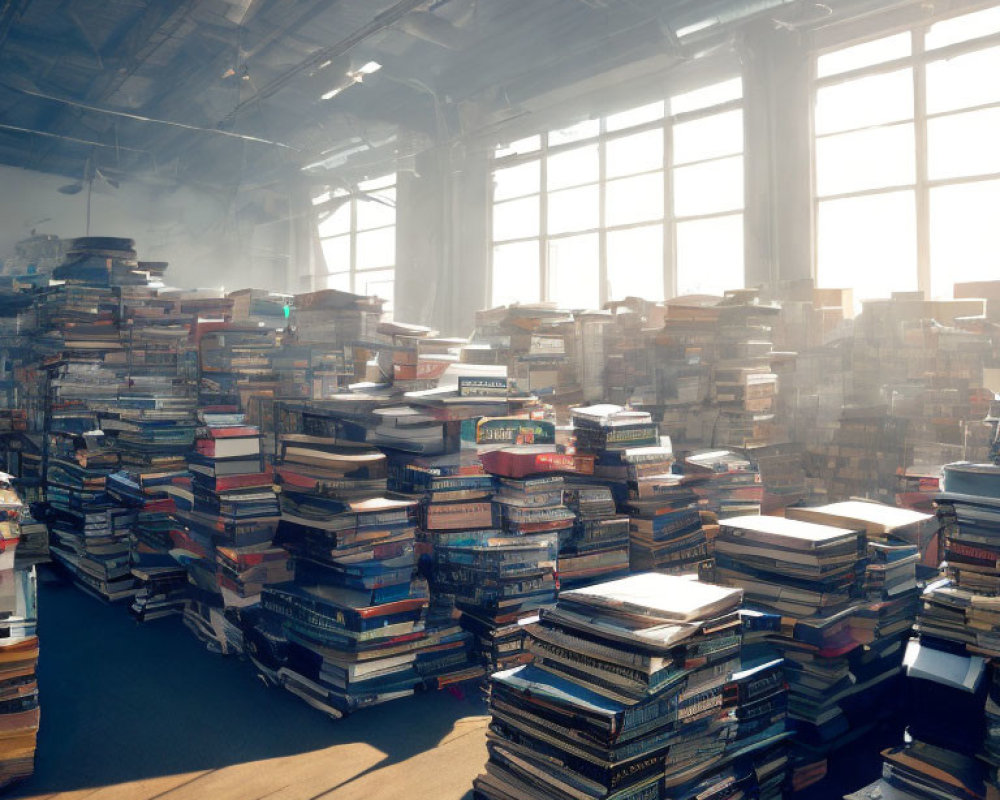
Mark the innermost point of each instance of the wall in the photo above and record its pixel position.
(209, 239)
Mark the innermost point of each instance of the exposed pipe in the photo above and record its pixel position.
(18, 129)
(709, 18)
(154, 120)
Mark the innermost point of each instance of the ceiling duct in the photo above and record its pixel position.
(436, 30)
(706, 19)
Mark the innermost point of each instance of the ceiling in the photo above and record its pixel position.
(229, 92)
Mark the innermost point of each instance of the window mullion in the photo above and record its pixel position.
(920, 142)
(602, 233)
(543, 222)
(354, 242)
(669, 218)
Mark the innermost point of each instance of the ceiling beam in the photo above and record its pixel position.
(10, 12)
(379, 23)
(156, 26)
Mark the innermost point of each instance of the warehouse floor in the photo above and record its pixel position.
(137, 712)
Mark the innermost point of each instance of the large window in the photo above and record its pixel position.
(623, 205)
(907, 164)
(357, 231)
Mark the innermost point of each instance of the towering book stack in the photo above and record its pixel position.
(455, 498)
(353, 618)
(686, 348)
(325, 326)
(951, 685)
(152, 427)
(111, 348)
(636, 692)
(227, 541)
(19, 709)
(319, 475)
(500, 578)
(350, 630)
(90, 529)
(629, 457)
(841, 631)
(162, 580)
(152, 419)
(743, 384)
(535, 342)
(235, 364)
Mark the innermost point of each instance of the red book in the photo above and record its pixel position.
(230, 432)
(519, 462)
(227, 483)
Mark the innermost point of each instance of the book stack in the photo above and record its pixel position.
(152, 418)
(351, 630)
(34, 545)
(498, 583)
(842, 637)
(455, 497)
(899, 533)
(667, 530)
(354, 619)
(743, 384)
(19, 709)
(90, 530)
(633, 464)
(950, 682)
(628, 363)
(537, 344)
(730, 484)
(234, 364)
(635, 692)
(101, 261)
(161, 579)
(328, 324)
(782, 474)
(319, 474)
(921, 771)
(854, 463)
(226, 543)
(597, 547)
(686, 349)
(19, 706)
(310, 371)
(260, 307)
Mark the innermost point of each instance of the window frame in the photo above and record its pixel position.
(354, 272)
(668, 220)
(918, 60)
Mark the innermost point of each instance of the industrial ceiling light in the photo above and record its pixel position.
(366, 69)
(697, 27)
(352, 77)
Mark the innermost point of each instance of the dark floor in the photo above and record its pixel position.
(123, 702)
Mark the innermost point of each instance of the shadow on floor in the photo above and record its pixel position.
(122, 702)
